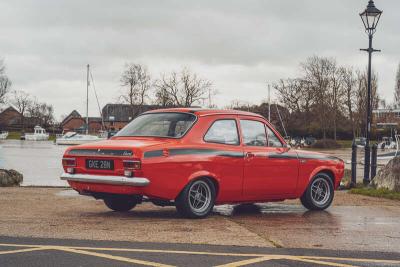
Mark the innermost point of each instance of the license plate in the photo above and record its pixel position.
(100, 164)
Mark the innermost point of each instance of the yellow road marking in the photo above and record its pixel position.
(321, 262)
(249, 261)
(111, 257)
(22, 250)
(275, 256)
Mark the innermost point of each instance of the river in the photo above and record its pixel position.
(39, 162)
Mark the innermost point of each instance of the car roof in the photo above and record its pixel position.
(206, 112)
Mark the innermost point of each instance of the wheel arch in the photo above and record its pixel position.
(203, 174)
(324, 169)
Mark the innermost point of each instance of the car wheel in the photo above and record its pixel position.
(120, 203)
(197, 199)
(319, 193)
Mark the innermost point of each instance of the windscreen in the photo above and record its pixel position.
(166, 124)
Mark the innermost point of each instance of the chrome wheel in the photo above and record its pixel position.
(199, 196)
(320, 191)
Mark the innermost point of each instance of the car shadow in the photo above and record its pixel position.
(261, 211)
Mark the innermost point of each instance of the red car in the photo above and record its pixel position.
(197, 158)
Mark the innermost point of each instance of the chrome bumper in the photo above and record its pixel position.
(104, 179)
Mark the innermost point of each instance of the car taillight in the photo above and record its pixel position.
(132, 164)
(69, 162)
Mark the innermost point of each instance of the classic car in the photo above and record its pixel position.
(197, 158)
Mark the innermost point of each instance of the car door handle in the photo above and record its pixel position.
(249, 155)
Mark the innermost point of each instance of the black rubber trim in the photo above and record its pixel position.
(320, 157)
(194, 151)
(153, 154)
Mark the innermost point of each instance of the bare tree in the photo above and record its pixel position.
(136, 80)
(317, 72)
(335, 94)
(5, 83)
(41, 112)
(349, 87)
(361, 96)
(397, 88)
(22, 101)
(182, 89)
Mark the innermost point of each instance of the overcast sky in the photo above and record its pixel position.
(239, 45)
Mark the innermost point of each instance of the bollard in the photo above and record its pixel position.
(374, 161)
(353, 164)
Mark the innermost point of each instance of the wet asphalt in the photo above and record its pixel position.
(68, 252)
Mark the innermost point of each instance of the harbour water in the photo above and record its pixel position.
(39, 162)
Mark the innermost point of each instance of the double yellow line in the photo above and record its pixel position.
(254, 258)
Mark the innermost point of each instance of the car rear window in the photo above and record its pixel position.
(167, 124)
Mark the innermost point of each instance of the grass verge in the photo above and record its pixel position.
(14, 135)
(372, 192)
(345, 143)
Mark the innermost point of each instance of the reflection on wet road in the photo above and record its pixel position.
(346, 227)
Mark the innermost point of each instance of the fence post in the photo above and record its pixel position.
(374, 160)
(353, 164)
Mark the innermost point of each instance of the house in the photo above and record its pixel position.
(116, 116)
(387, 121)
(386, 115)
(74, 122)
(10, 119)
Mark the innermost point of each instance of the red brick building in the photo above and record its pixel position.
(74, 122)
(116, 116)
(10, 119)
(386, 116)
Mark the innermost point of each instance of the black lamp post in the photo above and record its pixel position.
(370, 17)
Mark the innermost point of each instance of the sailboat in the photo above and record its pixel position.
(74, 138)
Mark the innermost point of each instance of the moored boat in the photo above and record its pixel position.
(3, 135)
(39, 134)
(73, 138)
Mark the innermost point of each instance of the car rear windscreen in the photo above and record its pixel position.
(167, 124)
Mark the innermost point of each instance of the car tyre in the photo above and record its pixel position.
(319, 193)
(120, 203)
(197, 199)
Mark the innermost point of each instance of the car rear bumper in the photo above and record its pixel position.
(105, 179)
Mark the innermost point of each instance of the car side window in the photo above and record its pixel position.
(223, 132)
(273, 140)
(253, 133)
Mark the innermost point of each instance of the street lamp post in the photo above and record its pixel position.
(370, 18)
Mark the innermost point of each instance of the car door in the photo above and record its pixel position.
(222, 138)
(270, 168)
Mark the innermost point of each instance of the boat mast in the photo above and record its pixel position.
(87, 100)
(269, 102)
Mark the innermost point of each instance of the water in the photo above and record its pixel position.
(39, 162)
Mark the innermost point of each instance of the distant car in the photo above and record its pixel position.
(309, 141)
(195, 159)
(360, 142)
